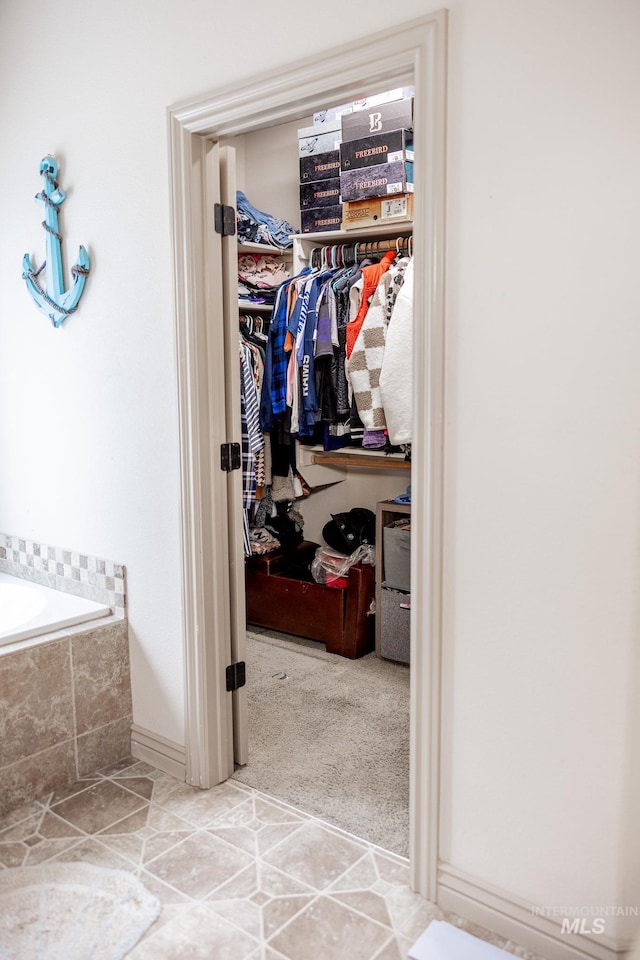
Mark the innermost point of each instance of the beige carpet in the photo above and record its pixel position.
(72, 911)
(332, 738)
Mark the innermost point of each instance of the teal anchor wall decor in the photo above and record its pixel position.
(55, 302)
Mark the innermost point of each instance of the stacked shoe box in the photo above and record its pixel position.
(319, 154)
(376, 164)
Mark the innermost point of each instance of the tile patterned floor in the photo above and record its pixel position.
(240, 876)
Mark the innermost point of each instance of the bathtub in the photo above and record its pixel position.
(28, 609)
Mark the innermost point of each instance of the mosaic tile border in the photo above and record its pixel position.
(92, 578)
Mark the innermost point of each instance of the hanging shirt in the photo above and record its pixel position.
(306, 358)
(365, 363)
(252, 439)
(323, 340)
(295, 334)
(371, 275)
(273, 402)
(396, 376)
(342, 290)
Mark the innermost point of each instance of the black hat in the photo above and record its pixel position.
(348, 531)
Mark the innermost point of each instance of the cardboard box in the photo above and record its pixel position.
(321, 166)
(378, 148)
(381, 180)
(318, 142)
(397, 115)
(367, 213)
(322, 218)
(331, 126)
(320, 193)
(324, 117)
(400, 93)
(396, 542)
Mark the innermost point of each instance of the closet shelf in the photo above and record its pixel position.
(264, 248)
(361, 458)
(389, 228)
(248, 306)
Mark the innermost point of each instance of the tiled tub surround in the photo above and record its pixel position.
(65, 708)
(93, 578)
(240, 875)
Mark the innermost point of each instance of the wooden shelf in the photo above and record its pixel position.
(360, 458)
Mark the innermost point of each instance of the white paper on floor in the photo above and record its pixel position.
(441, 941)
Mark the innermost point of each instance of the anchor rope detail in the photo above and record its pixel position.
(52, 299)
(50, 230)
(47, 200)
(52, 303)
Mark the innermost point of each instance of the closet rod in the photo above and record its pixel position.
(339, 254)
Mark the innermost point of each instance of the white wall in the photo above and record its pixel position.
(541, 521)
(543, 406)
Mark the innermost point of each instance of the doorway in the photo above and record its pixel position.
(412, 52)
(327, 721)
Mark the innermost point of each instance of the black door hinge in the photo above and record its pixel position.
(224, 219)
(236, 676)
(230, 458)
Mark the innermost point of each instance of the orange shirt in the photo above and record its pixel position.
(370, 275)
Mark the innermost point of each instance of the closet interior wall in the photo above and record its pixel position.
(266, 170)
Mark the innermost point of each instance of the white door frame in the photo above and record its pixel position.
(411, 52)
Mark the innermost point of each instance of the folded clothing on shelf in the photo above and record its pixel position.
(258, 227)
(261, 270)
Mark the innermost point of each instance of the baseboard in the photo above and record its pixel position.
(164, 754)
(514, 919)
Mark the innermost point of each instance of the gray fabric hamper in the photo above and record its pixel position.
(397, 554)
(395, 633)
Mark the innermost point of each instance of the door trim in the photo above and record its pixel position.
(411, 52)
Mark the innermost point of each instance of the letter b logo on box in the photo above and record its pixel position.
(375, 126)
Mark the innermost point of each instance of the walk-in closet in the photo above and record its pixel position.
(324, 312)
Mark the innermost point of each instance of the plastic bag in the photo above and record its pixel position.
(329, 565)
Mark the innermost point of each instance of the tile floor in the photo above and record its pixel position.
(240, 875)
